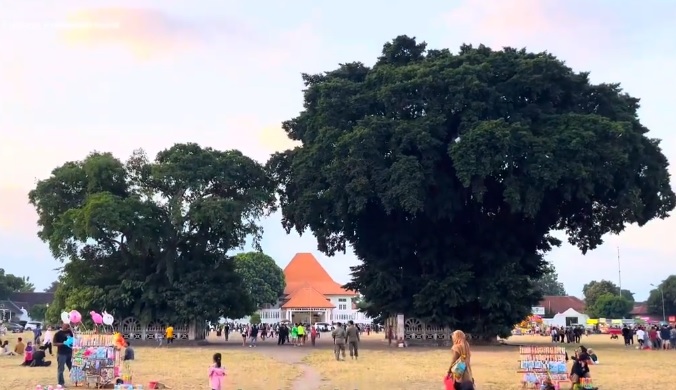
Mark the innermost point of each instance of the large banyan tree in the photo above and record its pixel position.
(447, 174)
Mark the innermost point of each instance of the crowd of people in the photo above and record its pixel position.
(650, 337)
(296, 334)
(34, 352)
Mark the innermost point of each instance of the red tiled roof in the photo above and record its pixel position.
(557, 305)
(307, 297)
(304, 270)
(640, 309)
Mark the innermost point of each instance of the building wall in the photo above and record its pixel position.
(341, 302)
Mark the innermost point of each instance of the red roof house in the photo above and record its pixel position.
(308, 285)
(556, 304)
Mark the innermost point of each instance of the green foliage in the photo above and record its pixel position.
(609, 305)
(548, 284)
(13, 284)
(261, 277)
(52, 287)
(255, 318)
(595, 289)
(150, 238)
(361, 303)
(668, 287)
(38, 312)
(447, 172)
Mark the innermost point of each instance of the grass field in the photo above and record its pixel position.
(180, 368)
(379, 367)
(494, 367)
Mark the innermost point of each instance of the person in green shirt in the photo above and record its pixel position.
(294, 334)
(301, 334)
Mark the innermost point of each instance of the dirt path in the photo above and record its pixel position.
(309, 379)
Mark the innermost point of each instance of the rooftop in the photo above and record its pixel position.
(307, 298)
(556, 304)
(304, 270)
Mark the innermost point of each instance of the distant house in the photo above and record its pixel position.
(555, 304)
(11, 307)
(311, 295)
(640, 310)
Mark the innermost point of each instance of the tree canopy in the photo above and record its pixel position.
(608, 305)
(548, 283)
(151, 238)
(446, 174)
(594, 290)
(52, 287)
(668, 288)
(261, 277)
(38, 312)
(13, 284)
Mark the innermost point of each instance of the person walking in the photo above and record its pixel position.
(47, 340)
(353, 340)
(37, 334)
(301, 334)
(313, 335)
(460, 371)
(253, 336)
(339, 338)
(64, 353)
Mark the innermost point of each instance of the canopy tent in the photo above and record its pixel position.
(569, 317)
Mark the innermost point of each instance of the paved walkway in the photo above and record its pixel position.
(309, 379)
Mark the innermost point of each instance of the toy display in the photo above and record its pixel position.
(95, 360)
(541, 365)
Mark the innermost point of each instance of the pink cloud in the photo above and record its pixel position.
(274, 139)
(528, 23)
(16, 215)
(145, 32)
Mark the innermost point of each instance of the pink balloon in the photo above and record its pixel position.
(96, 317)
(75, 317)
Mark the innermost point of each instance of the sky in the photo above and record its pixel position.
(123, 75)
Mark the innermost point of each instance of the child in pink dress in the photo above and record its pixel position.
(216, 373)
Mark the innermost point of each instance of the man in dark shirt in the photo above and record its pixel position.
(665, 335)
(128, 352)
(253, 336)
(64, 353)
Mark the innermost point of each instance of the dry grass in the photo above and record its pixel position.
(180, 368)
(494, 367)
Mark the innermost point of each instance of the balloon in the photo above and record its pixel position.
(118, 340)
(65, 317)
(96, 317)
(75, 317)
(69, 342)
(108, 319)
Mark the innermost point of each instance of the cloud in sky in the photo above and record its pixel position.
(16, 215)
(226, 75)
(145, 32)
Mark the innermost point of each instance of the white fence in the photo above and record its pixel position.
(273, 316)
